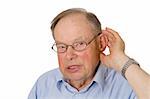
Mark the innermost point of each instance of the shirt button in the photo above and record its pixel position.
(78, 96)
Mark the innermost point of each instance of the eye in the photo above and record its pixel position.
(61, 46)
(79, 45)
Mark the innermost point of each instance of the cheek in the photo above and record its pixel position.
(61, 61)
(90, 58)
(86, 59)
(60, 58)
(85, 56)
(88, 55)
(88, 63)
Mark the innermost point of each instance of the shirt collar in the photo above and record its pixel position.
(59, 78)
(99, 77)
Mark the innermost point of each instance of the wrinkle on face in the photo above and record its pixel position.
(71, 29)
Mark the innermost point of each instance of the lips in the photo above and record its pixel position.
(73, 68)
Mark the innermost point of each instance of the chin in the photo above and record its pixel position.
(73, 77)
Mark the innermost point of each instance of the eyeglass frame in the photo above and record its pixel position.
(66, 46)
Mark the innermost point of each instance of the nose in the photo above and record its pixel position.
(70, 53)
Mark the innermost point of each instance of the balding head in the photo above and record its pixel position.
(90, 17)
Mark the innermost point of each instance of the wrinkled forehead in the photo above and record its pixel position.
(73, 28)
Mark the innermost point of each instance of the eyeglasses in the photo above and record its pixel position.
(77, 46)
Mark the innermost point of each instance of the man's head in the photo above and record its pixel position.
(71, 29)
(89, 16)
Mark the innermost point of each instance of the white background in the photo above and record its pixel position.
(25, 37)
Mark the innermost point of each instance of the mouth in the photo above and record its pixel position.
(73, 68)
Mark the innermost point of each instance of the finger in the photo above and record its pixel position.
(104, 38)
(109, 35)
(107, 41)
(116, 34)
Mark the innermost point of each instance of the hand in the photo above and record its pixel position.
(137, 78)
(117, 57)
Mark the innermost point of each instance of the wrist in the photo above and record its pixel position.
(122, 59)
(129, 63)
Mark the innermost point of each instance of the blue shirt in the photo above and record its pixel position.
(106, 84)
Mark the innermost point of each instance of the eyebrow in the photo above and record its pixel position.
(79, 39)
(75, 40)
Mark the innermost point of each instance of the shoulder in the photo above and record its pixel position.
(50, 76)
(45, 83)
(116, 82)
(114, 76)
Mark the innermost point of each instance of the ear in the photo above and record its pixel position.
(103, 42)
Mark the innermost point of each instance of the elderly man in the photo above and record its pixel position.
(85, 72)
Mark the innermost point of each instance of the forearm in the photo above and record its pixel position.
(139, 80)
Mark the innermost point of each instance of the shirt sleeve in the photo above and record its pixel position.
(33, 92)
(133, 95)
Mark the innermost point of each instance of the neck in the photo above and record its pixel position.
(80, 84)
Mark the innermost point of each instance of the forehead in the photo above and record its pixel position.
(73, 27)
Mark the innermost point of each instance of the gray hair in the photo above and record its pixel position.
(90, 17)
